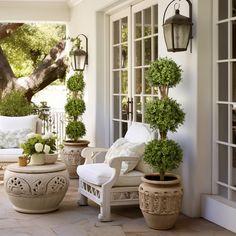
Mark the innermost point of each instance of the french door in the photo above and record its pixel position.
(133, 46)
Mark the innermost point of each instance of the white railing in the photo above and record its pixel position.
(53, 121)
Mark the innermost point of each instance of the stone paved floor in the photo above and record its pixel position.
(71, 220)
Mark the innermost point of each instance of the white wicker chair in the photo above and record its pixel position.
(103, 183)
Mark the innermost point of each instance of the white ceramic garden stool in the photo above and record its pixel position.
(36, 189)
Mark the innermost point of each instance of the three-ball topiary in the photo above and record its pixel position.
(75, 107)
(164, 114)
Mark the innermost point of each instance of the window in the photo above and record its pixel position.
(225, 89)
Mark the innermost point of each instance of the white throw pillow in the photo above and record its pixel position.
(13, 139)
(124, 148)
(8, 123)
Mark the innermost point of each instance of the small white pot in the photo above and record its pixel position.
(37, 159)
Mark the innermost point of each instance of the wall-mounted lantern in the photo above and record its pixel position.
(79, 57)
(178, 29)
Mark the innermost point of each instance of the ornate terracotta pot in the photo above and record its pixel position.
(71, 156)
(160, 201)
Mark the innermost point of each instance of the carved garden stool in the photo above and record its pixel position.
(36, 189)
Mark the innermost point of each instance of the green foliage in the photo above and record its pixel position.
(164, 114)
(29, 45)
(76, 82)
(163, 155)
(47, 141)
(75, 130)
(15, 104)
(164, 72)
(75, 107)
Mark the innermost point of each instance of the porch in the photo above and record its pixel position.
(72, 220)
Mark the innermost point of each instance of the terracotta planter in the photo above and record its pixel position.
(71, 156)
(37, 159)
(160, 201)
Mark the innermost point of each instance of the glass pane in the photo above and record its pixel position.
(116, 128)
(124, 105)
(124, 57)
(124, 128)
(234, 124)
(124, 29)
(233, 39)
(223, 41)
(138, 25)
(116, 57)
(223, 163)
(234, 162)
(148, 89)
(116, 82)
(138, 53)
(233, 194)
(223, 122)
(234, 81)
(223, 191)
(233, 7)
(147, 51)
(155, 48)
(116, 107)
(124, 83)
(138, 109)
(223, 82)
(138, 81)
(147, 22)
(116, 32)
(155, 8)
(223, 9)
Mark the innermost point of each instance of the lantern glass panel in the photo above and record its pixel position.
(168, 36)
(181, 35)
(78, 62)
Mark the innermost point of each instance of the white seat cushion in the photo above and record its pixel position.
(100, 173)
(10, 154)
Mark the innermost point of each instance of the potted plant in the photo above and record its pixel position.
(160, 194)
(75, 128)
(40, 148)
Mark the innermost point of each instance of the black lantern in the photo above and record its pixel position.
(79, 57)
(178, 30)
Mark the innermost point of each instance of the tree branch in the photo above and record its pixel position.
(52, 68)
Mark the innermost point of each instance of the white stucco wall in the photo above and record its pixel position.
(194, 92)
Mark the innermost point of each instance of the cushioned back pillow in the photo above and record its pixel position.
(13, 130)
(20, 122)
(123, 148)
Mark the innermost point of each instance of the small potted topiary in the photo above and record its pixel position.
(75, 129)
(160, 194)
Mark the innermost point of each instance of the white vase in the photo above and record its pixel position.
(51, 158)
(37, 159)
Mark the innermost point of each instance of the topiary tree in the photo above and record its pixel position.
(75, 107)
(164, 114)
(15, 104)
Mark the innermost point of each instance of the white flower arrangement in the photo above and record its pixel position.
(37, 143)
